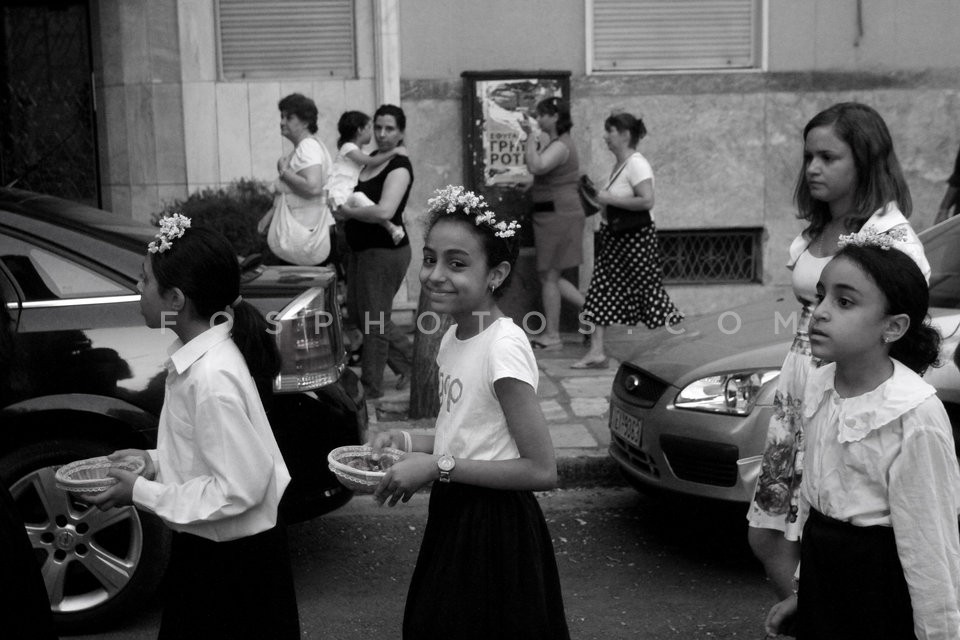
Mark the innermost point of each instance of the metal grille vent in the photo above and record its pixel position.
(711, 256)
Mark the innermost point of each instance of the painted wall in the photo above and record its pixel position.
(811, 35)
(822, 35)
(169, 126)
(725, 147)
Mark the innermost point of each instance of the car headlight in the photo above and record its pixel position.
(731, 393)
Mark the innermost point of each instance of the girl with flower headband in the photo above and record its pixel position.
(217, 475)
(850, 180)
(880, 555)
(486, 567)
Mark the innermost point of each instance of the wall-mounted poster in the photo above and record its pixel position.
(494, 105)
(505, 104)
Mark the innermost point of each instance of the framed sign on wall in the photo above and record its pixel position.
(494, 105)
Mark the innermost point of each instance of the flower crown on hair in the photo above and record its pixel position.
(171, 228)
(453, 197)
(870, 237)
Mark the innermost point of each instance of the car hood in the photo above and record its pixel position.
(751, 336)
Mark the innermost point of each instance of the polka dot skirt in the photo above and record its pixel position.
(627, 283)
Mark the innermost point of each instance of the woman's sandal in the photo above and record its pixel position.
(591, 364)
(546, 346)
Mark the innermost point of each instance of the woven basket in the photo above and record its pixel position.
(90, 475)
(358, 480)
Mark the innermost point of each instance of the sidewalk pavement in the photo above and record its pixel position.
(575, 403)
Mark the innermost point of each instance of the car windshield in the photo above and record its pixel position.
(940, 246)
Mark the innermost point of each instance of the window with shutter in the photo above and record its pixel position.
(286, 38)
(658, 35)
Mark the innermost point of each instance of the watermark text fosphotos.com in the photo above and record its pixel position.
(533, 322)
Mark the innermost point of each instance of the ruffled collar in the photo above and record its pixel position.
(898, 394)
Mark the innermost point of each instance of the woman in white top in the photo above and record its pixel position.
(850, 179)
(627, 282)
(301, 178)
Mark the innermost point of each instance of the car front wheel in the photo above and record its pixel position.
(97, 565)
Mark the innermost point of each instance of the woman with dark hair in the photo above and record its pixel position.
(302, 175)
(377, 265)
(557, 217)
(627, 282)
(850, 180)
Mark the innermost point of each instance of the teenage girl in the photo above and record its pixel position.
(216, 476)
(486, 568)
(850, 179)
(880, 555)
(356, 131)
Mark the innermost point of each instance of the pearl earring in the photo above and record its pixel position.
(493, 287)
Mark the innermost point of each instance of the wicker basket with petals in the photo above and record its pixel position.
(359, 480)
(90, 475)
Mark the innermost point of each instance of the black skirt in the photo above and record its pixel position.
(230, 590)
(851, 583)
(486, 569)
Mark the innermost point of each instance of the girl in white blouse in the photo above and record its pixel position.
(217, 475)
(880, 554)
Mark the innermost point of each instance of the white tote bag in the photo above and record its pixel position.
(292, 242)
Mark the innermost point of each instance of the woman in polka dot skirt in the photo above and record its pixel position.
(627, 286)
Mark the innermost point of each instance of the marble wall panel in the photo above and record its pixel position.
(163, 42)
(200, 133)
(233, 131)
(363, 15)
(197, 38)
(169, 193)
(134, 52)
(266, 144)
(113, 135)
(144, 201)
(171, 167)
(330, 96)
(360, 95)
(141, 134)
(108, 41)
(116, 198)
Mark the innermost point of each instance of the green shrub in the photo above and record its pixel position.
(233, 210)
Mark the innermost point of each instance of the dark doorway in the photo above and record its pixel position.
(48, 138)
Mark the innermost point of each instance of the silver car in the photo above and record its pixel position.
(691, 401)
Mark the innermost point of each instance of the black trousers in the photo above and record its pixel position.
(231, 590)
(851, 583)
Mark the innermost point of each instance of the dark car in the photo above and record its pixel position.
(86, 377)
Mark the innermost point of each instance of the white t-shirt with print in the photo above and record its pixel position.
(471, 423)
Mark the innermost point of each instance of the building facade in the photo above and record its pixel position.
(186, 98)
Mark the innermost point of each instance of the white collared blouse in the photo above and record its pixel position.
(220, 474)
(887, 458)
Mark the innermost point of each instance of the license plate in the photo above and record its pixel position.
(626, 426)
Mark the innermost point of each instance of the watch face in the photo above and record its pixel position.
(445, 462)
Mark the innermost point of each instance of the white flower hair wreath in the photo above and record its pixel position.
(171, 228)
(453, 197)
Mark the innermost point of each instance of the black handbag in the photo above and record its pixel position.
(588, 196)
(623, 221)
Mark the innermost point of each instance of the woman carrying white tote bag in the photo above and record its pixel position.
(300, 220)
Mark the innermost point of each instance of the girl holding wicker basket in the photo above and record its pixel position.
(486, 567)
(217, 475)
